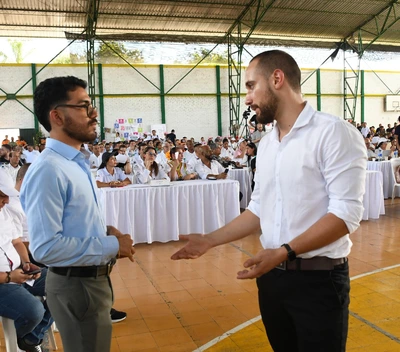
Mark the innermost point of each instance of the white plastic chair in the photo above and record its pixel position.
(395, 163)
(10, 336)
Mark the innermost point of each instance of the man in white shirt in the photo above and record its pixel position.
(14, 165)
(189, 153)
(31, 154)
(258, 134)
(95, 158)
(227, 151)
(365, 130)
(306, 201)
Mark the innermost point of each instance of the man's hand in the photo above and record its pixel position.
(222, 176)
(263, 262)
(197, 245)
(112, 231)
(31, 267)
(125, 247)
(17, 276)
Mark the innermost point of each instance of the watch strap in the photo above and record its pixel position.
(291, 253)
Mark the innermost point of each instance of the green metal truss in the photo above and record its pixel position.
(237, 36)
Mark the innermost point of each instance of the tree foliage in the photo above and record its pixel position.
(111, 53)
(213, 58)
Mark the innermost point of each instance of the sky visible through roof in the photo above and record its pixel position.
(43, 50)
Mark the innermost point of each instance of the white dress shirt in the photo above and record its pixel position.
(95, 161)
(12, 171)
(307, 175)
(187, 156)
(227, 153)
(14, 208)
(144, 176)
(104, 176)
(8, 232)
(203, 170)
(30, 157)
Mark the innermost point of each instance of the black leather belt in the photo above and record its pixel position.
(316, 263)
(84, 271)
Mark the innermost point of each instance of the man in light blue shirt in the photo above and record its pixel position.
(66, 227)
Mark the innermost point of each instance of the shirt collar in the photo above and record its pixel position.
(302, 120)
(63, 149)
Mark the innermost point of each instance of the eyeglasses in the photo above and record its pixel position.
(90, 109)
(152, 154)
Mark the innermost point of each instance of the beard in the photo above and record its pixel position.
(77, 132)
(268, 110)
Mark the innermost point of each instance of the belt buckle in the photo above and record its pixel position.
(282, 266)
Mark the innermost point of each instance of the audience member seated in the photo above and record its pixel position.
(227, 151)
(95, 158)
(17, 289)
(251, 151)
(163, 159)
(152, 170)
(194, 161)
(189, 154)
(5, 151)
(14, 165)
(179, 170)
(108, 175)
(207, 168)
(31, 154)
(370, 150)
(240, 157)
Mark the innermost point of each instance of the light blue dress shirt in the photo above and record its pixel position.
(65, 223)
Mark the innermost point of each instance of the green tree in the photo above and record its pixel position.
(213, 58)
(17, 48)
(110, 52)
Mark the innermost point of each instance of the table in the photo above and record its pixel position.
(373, 202)
(151, 214)
(244, 176)
(388, 180)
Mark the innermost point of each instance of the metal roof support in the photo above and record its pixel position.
(377, 26)
(92, 14)
(237, 36)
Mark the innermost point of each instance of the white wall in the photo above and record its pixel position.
(191, 106)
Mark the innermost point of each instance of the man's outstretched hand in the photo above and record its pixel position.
(263, 262)
(197, 244)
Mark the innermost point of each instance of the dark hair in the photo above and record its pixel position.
(51, 92)
(22, 171)
(154, 166)
(7, 146)
(269, 61)
(105, 157)
(225, 140)
(252, 146)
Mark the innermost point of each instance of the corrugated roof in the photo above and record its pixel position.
(295, 22)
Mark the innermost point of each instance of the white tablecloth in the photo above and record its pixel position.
(373, 201)
(244, 178)
(388, 180)
(151, 214)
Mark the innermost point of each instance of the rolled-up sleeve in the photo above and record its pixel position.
(344, 167)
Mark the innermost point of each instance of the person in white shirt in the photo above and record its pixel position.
(31, 154)
(227, 151)
(189, 154)
(258, 134)
(117, 138)
(365, 131)
(154, 135)
(14, 165)
(308, 198)
(163, 158)
(208, 169)
(240, 156)
(152, 170)
(95, 158)
(109, 175)
(196, 160)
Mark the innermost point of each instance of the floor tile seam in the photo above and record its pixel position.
(241, 250)
(227, 334)
(375, 327)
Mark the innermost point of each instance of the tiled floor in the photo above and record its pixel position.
(183, 305)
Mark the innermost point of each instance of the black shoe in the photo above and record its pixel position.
(23, 345)
(117, 316)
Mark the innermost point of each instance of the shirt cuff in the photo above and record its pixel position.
(110, 248)
(254, 208)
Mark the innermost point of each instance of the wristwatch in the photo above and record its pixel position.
(291, 253)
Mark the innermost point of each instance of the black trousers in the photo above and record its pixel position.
(305, 311)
